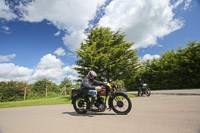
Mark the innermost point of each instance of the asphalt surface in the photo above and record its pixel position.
(161, 112)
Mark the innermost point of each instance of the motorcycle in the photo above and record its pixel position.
(145, 90)
(118, 101)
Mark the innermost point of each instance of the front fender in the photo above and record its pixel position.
(120, 92)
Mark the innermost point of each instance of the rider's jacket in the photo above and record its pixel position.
(90, 84)
(140, 82)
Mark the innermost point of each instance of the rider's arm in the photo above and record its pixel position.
(98, 82)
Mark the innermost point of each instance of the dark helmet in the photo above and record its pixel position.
(114, 85)
(92, 73)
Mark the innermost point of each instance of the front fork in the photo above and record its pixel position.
(110, 100)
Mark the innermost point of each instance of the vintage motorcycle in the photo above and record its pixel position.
(118, 101)
(145, 90)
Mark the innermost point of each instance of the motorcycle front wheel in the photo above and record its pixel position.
(80, 104)
(121, 104)
(148, 91)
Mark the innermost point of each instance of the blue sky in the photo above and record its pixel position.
(38, 38)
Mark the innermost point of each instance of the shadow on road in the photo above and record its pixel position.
(88, 114)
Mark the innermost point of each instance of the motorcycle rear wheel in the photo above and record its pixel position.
(80, 104)
(121, 104)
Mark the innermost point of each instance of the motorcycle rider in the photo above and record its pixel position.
(140, 84)
(90, 86)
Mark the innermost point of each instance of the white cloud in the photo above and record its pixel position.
(53, 69)
(49, 67)
(149, 57)
(6, 12)
(71, 54)
(6, 58)
(69, 15)
(57, 33)
(73, 73)
(177, 3)
(143, 21)
(6, 28)
(187, 4)
(49, 61)
(10, 71)
(71, 69)
(73, 40)
(60, 51)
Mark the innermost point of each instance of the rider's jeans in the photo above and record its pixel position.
(93, 93)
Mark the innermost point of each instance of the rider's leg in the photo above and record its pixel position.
(92, 101)
(139, 90)
(94, 94)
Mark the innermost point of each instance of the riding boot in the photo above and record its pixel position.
(92, 103)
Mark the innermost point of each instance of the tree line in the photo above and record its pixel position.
(175, 69)
(15, 91)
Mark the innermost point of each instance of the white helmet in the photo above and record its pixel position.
(92, 74)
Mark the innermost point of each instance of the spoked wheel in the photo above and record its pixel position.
(121, 104)
(148, 91)
(80, 104)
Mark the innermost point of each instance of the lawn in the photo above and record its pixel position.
(44, 101)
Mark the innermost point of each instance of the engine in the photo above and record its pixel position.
(100, 104)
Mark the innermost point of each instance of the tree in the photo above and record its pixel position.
(11, 91)
(66, 86)
(106, 52)
(190, 62)
(39, 87)
(66, 81)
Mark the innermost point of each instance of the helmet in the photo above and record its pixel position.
(114, 85)
(92, 74)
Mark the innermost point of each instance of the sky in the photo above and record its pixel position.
(38, 37)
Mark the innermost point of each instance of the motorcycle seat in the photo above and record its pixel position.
(79, 91)
(76, 91)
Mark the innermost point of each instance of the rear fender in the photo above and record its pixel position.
(74, 97)
(75, 92)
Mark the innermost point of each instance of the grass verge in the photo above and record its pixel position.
(44, 101)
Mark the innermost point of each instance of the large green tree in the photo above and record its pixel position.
(107, 53)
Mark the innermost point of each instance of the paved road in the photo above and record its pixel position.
(154, 114)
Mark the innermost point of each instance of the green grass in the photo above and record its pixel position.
(132, 95)
(44, 101)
